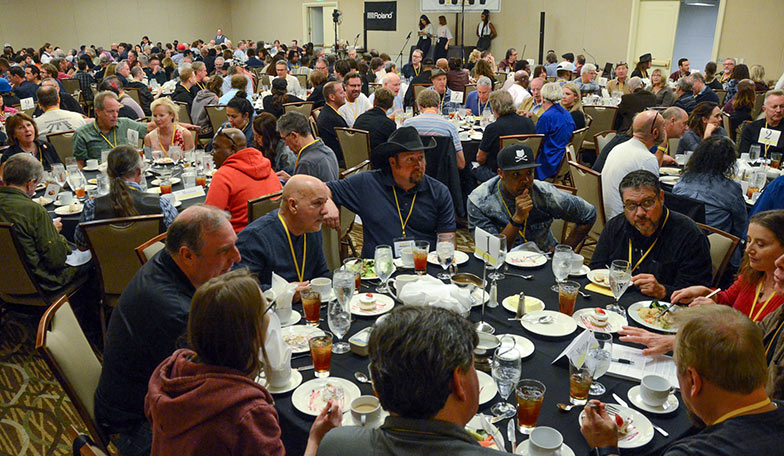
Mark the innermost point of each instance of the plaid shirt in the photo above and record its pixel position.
(85, 79)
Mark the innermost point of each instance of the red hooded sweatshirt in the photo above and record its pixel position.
(245, 175)
(197, 409)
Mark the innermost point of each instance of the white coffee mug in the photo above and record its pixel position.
(654, 390)
(92, 163)
(544, 441)
(279, 377)
(365, 410)
(576, 264)
(323, 285)
(401, 280)
(65, 198)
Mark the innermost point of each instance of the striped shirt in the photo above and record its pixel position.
(432, 124)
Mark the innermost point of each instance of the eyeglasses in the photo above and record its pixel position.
(647, 205)
(220, 132)
(653, 124)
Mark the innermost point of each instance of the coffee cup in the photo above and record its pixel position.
(577, 263)
(401, 280)
(65, 198)
(365, 410)
(323, 285)
(544, 441)
(279, 377)
(654, 390)
(92, 163)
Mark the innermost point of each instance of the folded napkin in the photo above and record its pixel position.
(529, 246)
(599, 289)
(429, 291)
(278, 351)
(283, 292)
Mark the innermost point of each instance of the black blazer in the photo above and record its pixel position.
(631, 104)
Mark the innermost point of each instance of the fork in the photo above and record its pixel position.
(614, 410)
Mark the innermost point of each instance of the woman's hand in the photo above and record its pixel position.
(328, 419)
(709, 128)
(687, 295)
(701, 301)
(657, 344)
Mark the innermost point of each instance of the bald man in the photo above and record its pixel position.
(392, 82)
(518, 89)
(648, 131)
(287, 241)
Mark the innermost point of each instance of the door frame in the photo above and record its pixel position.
(305, 17)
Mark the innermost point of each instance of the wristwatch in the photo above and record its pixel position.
(519, 226)
(604, 451)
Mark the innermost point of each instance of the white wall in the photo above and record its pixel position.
(694, 38)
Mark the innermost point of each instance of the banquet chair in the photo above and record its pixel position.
(560, 227)
(725, 122)
(417, 89)
(315, 113)
(501, 77)
(85, 444)
(562, 176)
(217, 116)
(149, 248)
(113, 245)
(183, 114)
(63, 346)
(313, 126)
(722, 94)
(722, 247)
(758, 102)
(302, 107)
(265, 81)
(603, 120)
(71, 85)
(355, 145)
(468, 89)
(258, 207)
(134, 94)
(62, 142)
(690, 207)
(601, 139)
(18, 285)
(589, 187)
(303, 80)
(29, 112)
(578, 136)
(533, 141)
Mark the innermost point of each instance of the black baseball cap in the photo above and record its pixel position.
(516, 156)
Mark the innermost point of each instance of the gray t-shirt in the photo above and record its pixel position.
(317, 160)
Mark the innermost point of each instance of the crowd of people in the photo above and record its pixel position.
(205, 285)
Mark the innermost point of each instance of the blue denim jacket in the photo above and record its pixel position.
(486, 211)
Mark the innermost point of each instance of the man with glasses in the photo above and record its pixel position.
(521, 208)
(357, 103)
(506, 65)
(729, 65)
(666, 250)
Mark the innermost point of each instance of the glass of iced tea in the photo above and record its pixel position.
(311, 304)
(201, 179)
(567, 296)
(321, 352)
(775, 160)
(530, 394)
(166, 186)
(580, 379)
(421, 249)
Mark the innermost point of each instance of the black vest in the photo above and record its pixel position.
(145, 203)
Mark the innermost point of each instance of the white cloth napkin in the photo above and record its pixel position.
(529, 246)
(278, 351)
(429, 291)
(284, 292)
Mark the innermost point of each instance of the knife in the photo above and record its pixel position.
(511, 434)
(492, 430)
(620, 401)
(304, 368)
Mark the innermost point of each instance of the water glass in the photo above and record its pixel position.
(506, 370)
(338, 313)
(58, 171)
(445, 249)
(383, 265)
(189, 179)
(495, 275)
(105, 156)
(598, 360)
(175, 153)
(620, 278)
(562, 263)
(754, 152)
(103, 183)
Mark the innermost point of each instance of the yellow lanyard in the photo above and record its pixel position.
(649, 248)
(336, 111)
(742, 410)
(525, 225)
(441, 103)
(300, 273)
(411, 209)
(114, 130)
(754, 304)
(201, 86)
(773, 339)
(416, 72)
(767, 146)
(351, 106)
(480, 105)
(296, 162)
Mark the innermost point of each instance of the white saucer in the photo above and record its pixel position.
(174, 180)
(636, 399)
(66, 210)
(383, 305)
(303, 398)
(91, 168)
(614, 321)
(348, 419)
(295, 318)
(294, 381)
(460, 258)
(329, 297)
(522, 448)
(583, 271)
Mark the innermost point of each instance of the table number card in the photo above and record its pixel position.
(133, 137)
(457, 97)
(579, 347)
(601, 81)
(487, 246)
(27, 103)
(769, 137)
(188, 193)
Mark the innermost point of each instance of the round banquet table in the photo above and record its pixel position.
(296, 425)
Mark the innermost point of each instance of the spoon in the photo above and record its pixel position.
(361, 377)
(526, 277)
(565, 407)
(543, 319)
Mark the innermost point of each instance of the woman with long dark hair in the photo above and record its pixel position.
(273, 104)
(739, 73)
(425, 33)
(485, 32)
(443, 36)
(739, 108)
(268, 141)
(704, 122)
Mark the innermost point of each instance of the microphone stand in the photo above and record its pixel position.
(400, 56)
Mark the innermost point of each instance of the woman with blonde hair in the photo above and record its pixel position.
(473, 57)
(664, 95)
(758, 76)
(167, 131)
(572, 102)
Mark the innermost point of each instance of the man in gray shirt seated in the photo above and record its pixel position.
(421, 363)
(313, 156)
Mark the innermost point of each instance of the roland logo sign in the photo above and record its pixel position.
(376, 15)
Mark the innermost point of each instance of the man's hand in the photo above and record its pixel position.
(525, 113)
(649, 286)
(523, 206)
(657, 344)
(668, 161)
(283, 175)
(332, 219)
(597, 427)
(58, 223)
(300, 286)
(687, 295)
(190, 126)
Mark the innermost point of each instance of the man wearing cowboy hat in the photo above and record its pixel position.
(395, 200)
(521, 208)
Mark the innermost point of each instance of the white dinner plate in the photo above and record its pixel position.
(632, 312)
(155, 190)
(164, 161)
(636, 399)
(478, 295)
(522, 448)
(523, 345)
(487, 388)
(640, 428)
(562, 325)
(383, 305)
(614, 321)
(475, 424)
(532, 304)
(93, 181)
(669, 180)
(525, 259)
(177, 203)
(297, 337)
(307, 398)
(174, 180)
(460, 258)
(66, 210)
(294, 381)
(584, 270)
(293, 319)
(43, 201)
(669, 171)
(600, 277)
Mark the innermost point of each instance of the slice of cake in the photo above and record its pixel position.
(598, 317)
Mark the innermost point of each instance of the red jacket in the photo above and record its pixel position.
(741, 296)
(245, 175)
(200, 409)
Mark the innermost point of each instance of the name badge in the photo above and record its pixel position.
(401, 244)
(133, 138)
(601, 81)
(769, 137)
(27, 103)
(457, 97)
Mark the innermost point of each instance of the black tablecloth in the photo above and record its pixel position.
(296, 425)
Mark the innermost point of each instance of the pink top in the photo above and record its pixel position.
(178, 140)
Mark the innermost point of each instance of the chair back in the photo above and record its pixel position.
(71, 85)
(468, 89)
(302, 107)
(265, 80)
(88, 448)
(562, 176)
(133, 92)
(725, 122)
(355, 145)
(258, 207)
(113, 244)
(722, 94)
(560, 227)
(62, 142)
(690, 207)
(29, 111)
(217, 116)
(149, 248)
(551, 78)
(418, 88)
(313, 126)
(501, 77)
(578, 136)
(602, 138)
(532, 141)
(303, 80)
(759, 99)
(183, 113)
(603, 120)
(722, 247)
(589, 187)
(17, 285)
(315, 113)
(364, 166)
(63, 346)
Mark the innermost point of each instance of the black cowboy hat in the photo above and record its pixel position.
(404, 139)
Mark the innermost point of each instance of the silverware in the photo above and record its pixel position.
(491, 430)
(584, 295)
(662, 431)
(526, 277)
(543, 319)
(565, 407)
(619, 400)
(511, 434)
(304, 368)
(361, 377)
